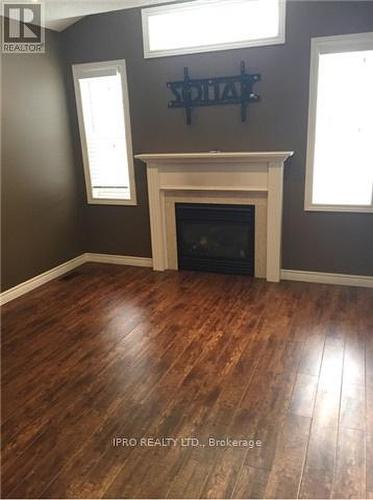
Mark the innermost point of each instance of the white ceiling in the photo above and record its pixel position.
(59, 14)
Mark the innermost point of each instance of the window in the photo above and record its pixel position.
(339, 171)
(104, 125)
(206, 25)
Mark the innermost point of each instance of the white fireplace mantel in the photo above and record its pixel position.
(216, 177)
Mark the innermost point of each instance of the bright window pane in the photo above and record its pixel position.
(343, 156)
(189, 25)
(102, 107)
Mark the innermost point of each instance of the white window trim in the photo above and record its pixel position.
(146, 13)
(325, 45)
(91, 69)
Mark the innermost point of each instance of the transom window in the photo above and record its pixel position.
(340, 129)
(206, 25)
(104, 124)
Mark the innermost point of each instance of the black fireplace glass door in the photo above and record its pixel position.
(217, 238)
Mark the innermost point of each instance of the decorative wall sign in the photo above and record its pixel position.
(191, 93)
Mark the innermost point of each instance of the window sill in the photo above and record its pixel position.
(339, 208)
(259, 42)
(131, 202)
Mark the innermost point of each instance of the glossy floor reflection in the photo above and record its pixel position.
(120, 352)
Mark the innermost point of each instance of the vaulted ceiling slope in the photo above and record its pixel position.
(59, 14)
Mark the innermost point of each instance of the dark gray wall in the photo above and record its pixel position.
(45, 217)
(330, 242)
(39, 187)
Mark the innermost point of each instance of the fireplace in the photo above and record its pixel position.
(215, 238)
(242, 178)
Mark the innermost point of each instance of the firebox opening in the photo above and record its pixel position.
(216, 238)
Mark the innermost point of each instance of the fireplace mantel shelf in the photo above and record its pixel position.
(216, 157)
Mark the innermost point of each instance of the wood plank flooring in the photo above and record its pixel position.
(119, 352)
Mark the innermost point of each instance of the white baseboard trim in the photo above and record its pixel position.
(286, 274)
(68, 266)
(123, 260)
(40, 279)
(327, 278)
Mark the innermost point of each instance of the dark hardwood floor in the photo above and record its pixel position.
(112, 351)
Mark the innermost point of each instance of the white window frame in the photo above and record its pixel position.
(86, 70)
(147, 12)
(328, 45)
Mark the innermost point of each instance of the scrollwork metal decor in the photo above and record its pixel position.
(191, 93)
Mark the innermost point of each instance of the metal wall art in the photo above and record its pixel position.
(191, 93)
